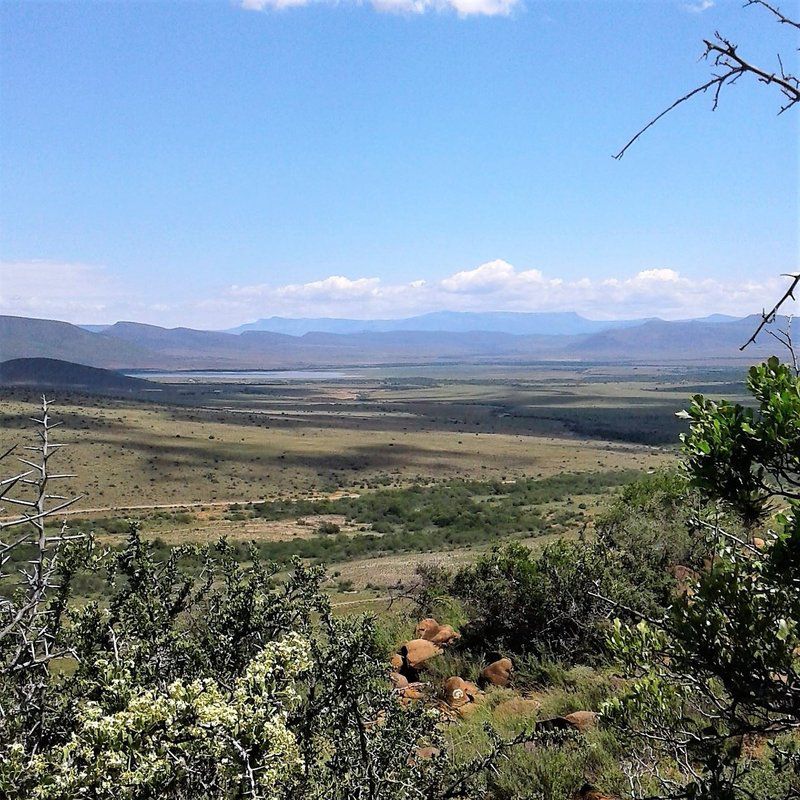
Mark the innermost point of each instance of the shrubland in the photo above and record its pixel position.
(199, 673)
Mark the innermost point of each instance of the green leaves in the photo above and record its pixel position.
(744, 456)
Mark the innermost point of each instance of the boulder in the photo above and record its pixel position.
(398, 681)
(498, 673)
(417, 651)
(582, 721)
(411, 692)
(426, 628)
(685, 579)
(426, 753)
(459, 692)
(444, 635)
(430, 630)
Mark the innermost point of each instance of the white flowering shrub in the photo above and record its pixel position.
(199, 678)
(198, 735)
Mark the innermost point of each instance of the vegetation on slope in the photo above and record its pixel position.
(679, 622)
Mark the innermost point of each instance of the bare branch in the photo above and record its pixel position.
(724, 54)
(774, 10)
(769, 317)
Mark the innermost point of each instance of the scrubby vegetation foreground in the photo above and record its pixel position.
(658, 658)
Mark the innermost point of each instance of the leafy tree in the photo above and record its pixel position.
(718, 676)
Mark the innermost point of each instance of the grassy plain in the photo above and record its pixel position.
(187, 458)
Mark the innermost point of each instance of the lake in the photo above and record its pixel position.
(237, 376)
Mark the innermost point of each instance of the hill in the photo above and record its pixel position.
(133, 345)
(690, 340)
(24, 337)
(51, 372)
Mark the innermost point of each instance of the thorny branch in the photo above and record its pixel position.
(26, 622)
(724, 56)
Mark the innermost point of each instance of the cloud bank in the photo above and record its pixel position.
(499, 286)
(91, 294)
(464, 8)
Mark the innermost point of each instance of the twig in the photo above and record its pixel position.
(769, 317)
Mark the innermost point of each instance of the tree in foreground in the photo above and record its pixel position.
(714, 708)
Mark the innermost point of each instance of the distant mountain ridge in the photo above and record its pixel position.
(133, 345)
(519, 323)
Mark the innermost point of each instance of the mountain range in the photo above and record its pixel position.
(547, 323)
(133, 345)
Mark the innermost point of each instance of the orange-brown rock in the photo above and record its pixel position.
(497, 673)
(417, 651)
(759, 543)
(459, 692)
(412, 692)
(582, 720)
(465, 711)
(685, 578)
(398, 681)
(426, 628)
(444, 635)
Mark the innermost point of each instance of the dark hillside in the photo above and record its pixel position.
(52, 372)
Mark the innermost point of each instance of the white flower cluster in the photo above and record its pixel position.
(194, 732)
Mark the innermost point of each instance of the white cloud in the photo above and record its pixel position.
(699, 7)
(499, 286)
(464, 8)
(84, 293)
(63, 290)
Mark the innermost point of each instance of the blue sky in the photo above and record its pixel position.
(209, 163)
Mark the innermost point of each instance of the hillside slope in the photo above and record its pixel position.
(131, 345)
(676, 341)
(23, 337)
(51, 372)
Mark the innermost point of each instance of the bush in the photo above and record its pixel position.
(221, 682)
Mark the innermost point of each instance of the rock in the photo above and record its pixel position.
(444, 635)
(409, 693)
(582, 721)
(426, 753)
(685, 578)
(398, 681)
(417, 651)
(467, 710)
(426, 628)
(459, 692)
(497, 673)
(430, 630)
(759, 543)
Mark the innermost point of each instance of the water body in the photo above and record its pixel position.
(241, 376)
